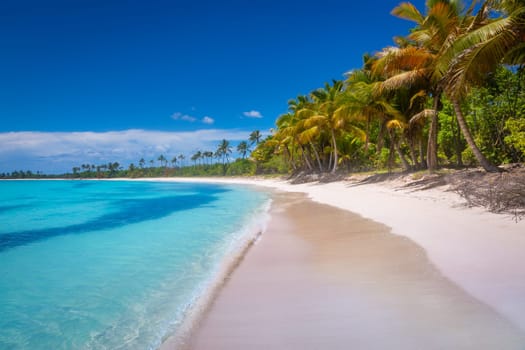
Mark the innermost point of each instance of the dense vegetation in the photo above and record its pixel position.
(450, 93)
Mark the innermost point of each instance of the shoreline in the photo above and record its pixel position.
(321, 277)
(479, 251)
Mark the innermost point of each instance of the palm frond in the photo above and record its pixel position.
(308, 135)
(315, 120)
(396, 124)
(411, 78)
(417, 95)
(421, 116)
(409, 12)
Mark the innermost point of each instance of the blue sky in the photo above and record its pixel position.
(75, 74)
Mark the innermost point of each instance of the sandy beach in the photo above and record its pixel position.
(374, 267)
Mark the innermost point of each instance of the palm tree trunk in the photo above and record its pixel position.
(317, 157)
(380, 138)
(457, 143)
(489, 167)
(412, 148)
(334, 169)
(367, 134)
(306, 159)
(395, 143)
(432, 162)
(422, 160)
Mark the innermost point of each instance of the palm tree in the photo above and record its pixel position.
(478, 52)
(224, 150)
(208, 155)
(431, 55)
(162, 159)
(243, 148)
(142, 162)
(255, 137)
(181, 159)
(173, 161)
(414, 63)
(360, 103)
(195, 157)
(323, 115)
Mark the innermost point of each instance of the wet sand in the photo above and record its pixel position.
(325, 278)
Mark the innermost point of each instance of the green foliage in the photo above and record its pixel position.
(516, 137)
(451, 142)
(241, 167)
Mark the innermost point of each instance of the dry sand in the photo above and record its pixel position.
(439, 274)
(324, 278)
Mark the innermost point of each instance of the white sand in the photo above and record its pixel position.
(483, 253)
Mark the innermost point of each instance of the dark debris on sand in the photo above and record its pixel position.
(502, 192)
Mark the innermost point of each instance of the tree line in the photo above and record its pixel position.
(449, 93)
(200, 163)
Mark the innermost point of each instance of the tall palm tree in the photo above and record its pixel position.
(480, 50)
(162, 160)
(436, 41)
(322, 116)
(243, 148)
(414, 64)
(173, 161)
(195, 157)
(224, 150)
(208, 155)
(255, 137)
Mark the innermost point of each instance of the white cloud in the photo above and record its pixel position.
(208, 120)
(192, 119)
(253, 114)
(181, 116)
(55, 152)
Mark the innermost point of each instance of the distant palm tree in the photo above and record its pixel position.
(142, 162)
(224, 150)
(173, 161)
(196, 157)
(181, 158)
(162, 159)
(255, 137)
(242, 148)
(208, 155)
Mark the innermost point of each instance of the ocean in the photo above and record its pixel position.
(113, 264)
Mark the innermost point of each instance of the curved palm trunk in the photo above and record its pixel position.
(306, 159)
(400, 153)
(489, 167)
(412, 148)
(404, 161)
(334, 169)
(317, 157)
(432, 162)
(423, 163)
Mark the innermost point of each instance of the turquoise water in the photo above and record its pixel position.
(112, 265)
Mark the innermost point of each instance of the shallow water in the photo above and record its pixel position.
(111, 265)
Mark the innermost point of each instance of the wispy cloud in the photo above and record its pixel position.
(56, 152)
(189, 118)
(181, 116)
(253, 114)
(208, 120)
